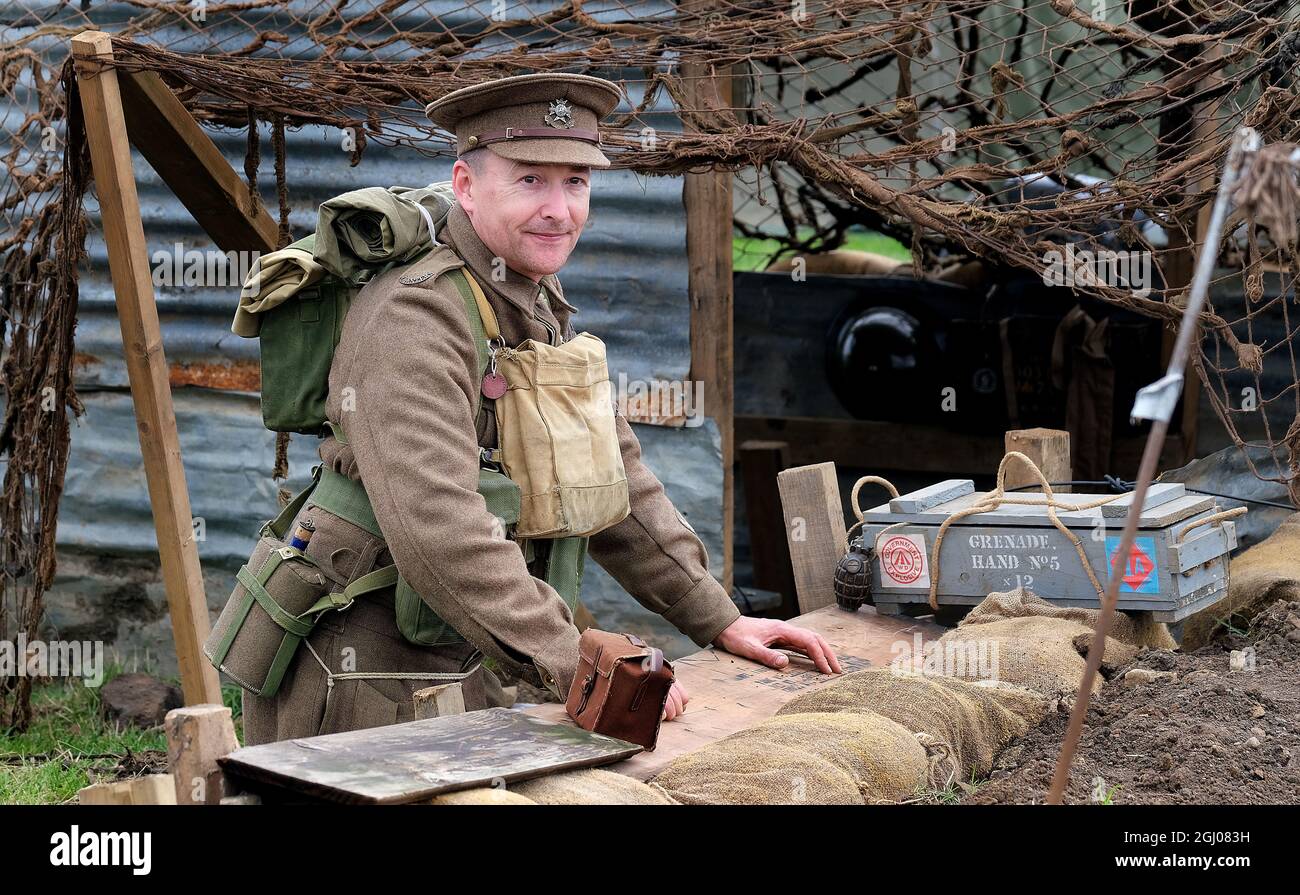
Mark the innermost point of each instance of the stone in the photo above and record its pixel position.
(1136, 676)
(138, 700)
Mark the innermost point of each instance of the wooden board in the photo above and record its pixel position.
(728, 693)
(1161, 515)
(814, 530)
(1050, 451)
(190, 163)
(146, 365)
(411, 762)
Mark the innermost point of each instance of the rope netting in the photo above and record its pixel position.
(965, 129)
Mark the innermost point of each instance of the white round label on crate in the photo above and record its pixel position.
(904, 562)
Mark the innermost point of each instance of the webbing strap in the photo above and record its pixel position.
(478, 327)
(346, 498)
(489, 316)
(366, 584)
(228, 639)
(255, 585)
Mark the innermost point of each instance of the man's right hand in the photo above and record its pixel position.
(676, 702)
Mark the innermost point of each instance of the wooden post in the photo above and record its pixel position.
(154, 789)
(439, 701)
(197, 736)
(760, 463)
(1048, 448)
(814, 528)
(146, 366)
(707, 199)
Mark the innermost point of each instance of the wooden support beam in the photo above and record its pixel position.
(814, 526)
(1050, 451)
(708, 202)
(154, 789)
(187, 160)
(197, 736)
(439, 701)
(760, 463)
(128, 262)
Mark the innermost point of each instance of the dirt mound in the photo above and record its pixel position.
(1173, 728)
(1260, 576)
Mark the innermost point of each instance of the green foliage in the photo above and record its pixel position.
(756, 254)
(69, 746)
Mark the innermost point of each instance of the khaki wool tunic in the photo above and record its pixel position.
(403, 390)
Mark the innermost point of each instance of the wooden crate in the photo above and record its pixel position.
(1017, 545)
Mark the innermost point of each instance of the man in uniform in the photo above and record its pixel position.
(403, 389)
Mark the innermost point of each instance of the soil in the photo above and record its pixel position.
(1207, 735)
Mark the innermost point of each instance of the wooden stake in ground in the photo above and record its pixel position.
(197, 736)
(128, 261)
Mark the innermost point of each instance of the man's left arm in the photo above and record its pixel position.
(658, 558)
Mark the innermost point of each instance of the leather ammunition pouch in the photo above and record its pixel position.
(620, 687)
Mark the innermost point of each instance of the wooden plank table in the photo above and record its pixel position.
(728, 693)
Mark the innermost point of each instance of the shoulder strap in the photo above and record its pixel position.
(482, 325)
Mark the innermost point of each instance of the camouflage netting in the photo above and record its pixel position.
(1003, 130)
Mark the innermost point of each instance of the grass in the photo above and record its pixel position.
(756, 254)
(69, 746)
(952, 794)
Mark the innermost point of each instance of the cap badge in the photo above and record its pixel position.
(560, 115)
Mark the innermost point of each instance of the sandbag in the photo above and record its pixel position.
(590, 786)
(1256, 577)
(975, 720)
(483, 795)
(754, 773)
(813, 758)
(1041, 646)
(1137, 630)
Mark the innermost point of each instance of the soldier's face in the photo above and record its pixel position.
(530, 215)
